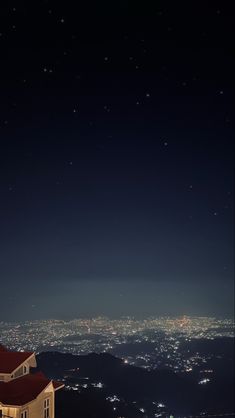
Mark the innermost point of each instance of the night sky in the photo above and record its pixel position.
(116, 158)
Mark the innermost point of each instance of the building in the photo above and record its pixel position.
(24, 394)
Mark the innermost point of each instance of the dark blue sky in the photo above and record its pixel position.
(116, 159)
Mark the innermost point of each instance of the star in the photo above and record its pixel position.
(147, 95)
(62, 20)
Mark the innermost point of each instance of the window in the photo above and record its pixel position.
(24, 414)
(25, 369)
(0, 413)
(47, 408)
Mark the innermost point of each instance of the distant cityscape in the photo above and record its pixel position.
(150, 343)
(198, 349)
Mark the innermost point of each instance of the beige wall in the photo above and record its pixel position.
(18, 372)
(35, 408)
(22, 370)
(5, 377)
(30, 362)
(11, 412)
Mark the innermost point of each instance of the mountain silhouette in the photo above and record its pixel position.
(133, 384)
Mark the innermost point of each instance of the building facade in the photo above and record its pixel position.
(24, 394)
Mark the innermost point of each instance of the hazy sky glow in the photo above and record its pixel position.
(116, 161)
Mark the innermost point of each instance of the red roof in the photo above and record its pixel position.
(24, 389)
(57, 385)
(9, 360)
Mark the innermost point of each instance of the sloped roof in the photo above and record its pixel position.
(24, 389)
(9, 360)
(57, 385)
